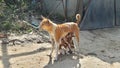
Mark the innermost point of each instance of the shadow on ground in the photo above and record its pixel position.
(6, 57)
(64, 61)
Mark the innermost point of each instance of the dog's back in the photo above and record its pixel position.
(63, 29)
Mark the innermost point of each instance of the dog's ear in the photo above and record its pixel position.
(42, 17)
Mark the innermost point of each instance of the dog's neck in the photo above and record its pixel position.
(52, 28)
(53, 23)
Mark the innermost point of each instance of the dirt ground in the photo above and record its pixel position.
(99, 48)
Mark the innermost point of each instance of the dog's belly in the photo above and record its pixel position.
(62, 30)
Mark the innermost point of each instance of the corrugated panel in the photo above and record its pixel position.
(85, 3)
(117, 12)
(51, 5)
(71, 6)
(99, 14)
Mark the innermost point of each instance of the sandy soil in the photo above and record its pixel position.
(99, 48)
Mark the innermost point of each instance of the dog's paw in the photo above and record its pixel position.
(67, 52)
(70, 51)
(76, 52)
(62, 51)
(55, 58)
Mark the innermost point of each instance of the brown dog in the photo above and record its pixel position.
(59, 31)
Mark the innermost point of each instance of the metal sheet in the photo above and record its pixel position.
(100, 14)
(117, 2)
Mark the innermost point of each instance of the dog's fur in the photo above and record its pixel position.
(59, 31)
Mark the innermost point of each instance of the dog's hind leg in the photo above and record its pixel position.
(77, 41)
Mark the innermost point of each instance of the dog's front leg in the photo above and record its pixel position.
(56, 51)
(52, 43)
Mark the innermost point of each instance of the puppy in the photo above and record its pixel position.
(67, 45)
(59, 31)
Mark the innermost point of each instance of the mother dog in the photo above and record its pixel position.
(59, 31)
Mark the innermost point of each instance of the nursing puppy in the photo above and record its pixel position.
(67, 45)
(59, 31)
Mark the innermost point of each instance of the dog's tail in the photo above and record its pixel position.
(78, 18)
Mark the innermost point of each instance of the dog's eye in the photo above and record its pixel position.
(47, 22)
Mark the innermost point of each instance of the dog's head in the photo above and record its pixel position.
(44, 24)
